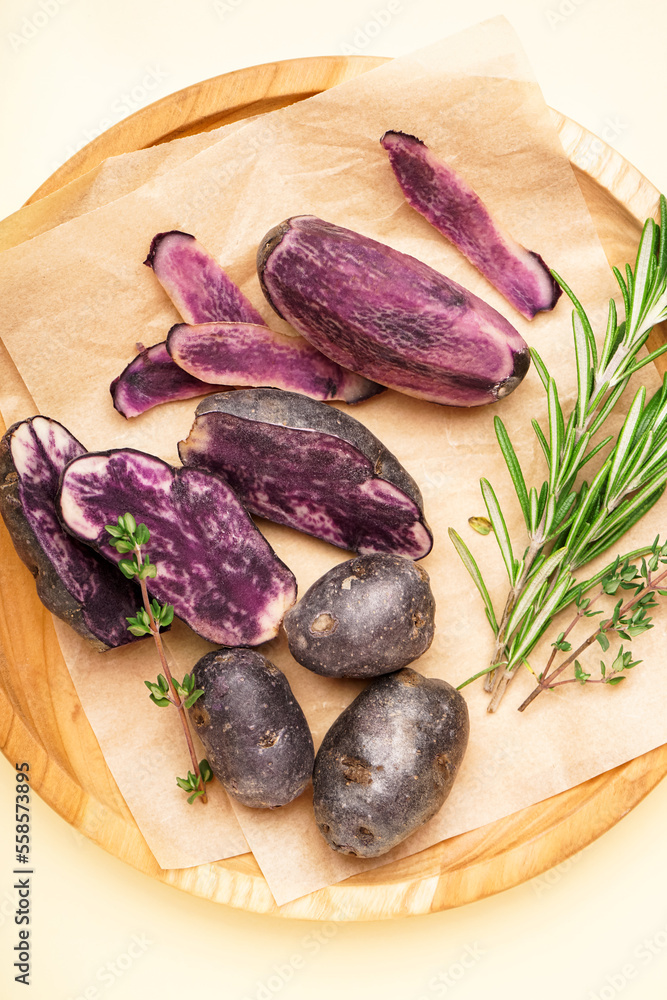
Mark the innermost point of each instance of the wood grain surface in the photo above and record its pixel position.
(41, 719)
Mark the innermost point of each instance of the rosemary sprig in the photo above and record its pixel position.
(568, 525)
(628, 620)
(128, 537)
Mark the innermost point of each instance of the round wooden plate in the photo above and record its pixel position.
(41, 719)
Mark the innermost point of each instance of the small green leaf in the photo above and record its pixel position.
(142, 534)
(603, 640)
(147, 571)
(194, 795)
(129, 523)
(166, 615)
(113, 531)
(160, 702)
(184, 784)
(481, 525)
(189, 701)
(128, 568)
(205, 770)
(615, 680)
(138, 630)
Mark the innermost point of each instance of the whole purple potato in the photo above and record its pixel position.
(388, 762)
(255, 734)
(388, 316)
(367, 616)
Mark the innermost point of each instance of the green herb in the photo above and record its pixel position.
(569, 523)
(128, 537)
(481, 525)
(628, 620)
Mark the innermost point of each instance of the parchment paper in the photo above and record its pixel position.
(111, 179)
(144, 751)
(473, 100)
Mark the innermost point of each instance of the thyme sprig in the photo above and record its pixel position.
(628, 620)
(129, 537)
(568, 523)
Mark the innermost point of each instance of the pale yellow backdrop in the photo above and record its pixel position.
(594, 927)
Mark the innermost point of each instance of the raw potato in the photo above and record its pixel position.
(302, 463)
(365, 617)
(448, 202)
(153, 378)
(72, 581)
(216, 568)
(255, 734)
(248, 354)
(389, 316)
(389, 762)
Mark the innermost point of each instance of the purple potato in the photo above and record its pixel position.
(153, 378)
(205, 296)
(307, 465)
(72, 581)
(389, 316)
(246, 354)
(448, 202)
(365, 617)
(222, 576)
(388, 762)
(196, 284)
(202, 293)
(255, 734)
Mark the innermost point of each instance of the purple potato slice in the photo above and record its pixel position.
(389, 316)
(73, 582)
(246, 354)
(152, 378)
(203, 293)
(302, 463)
(448, 202)
(196, 284)
(213, 565)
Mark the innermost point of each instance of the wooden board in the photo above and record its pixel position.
(41, 719)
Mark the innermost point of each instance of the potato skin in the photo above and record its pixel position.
(255, 734)
(388, 763)
(365, 617)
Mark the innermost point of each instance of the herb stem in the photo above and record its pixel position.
(175, 699)
(546, 680)
(498, 659)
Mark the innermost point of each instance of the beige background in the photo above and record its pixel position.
(597, 925)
